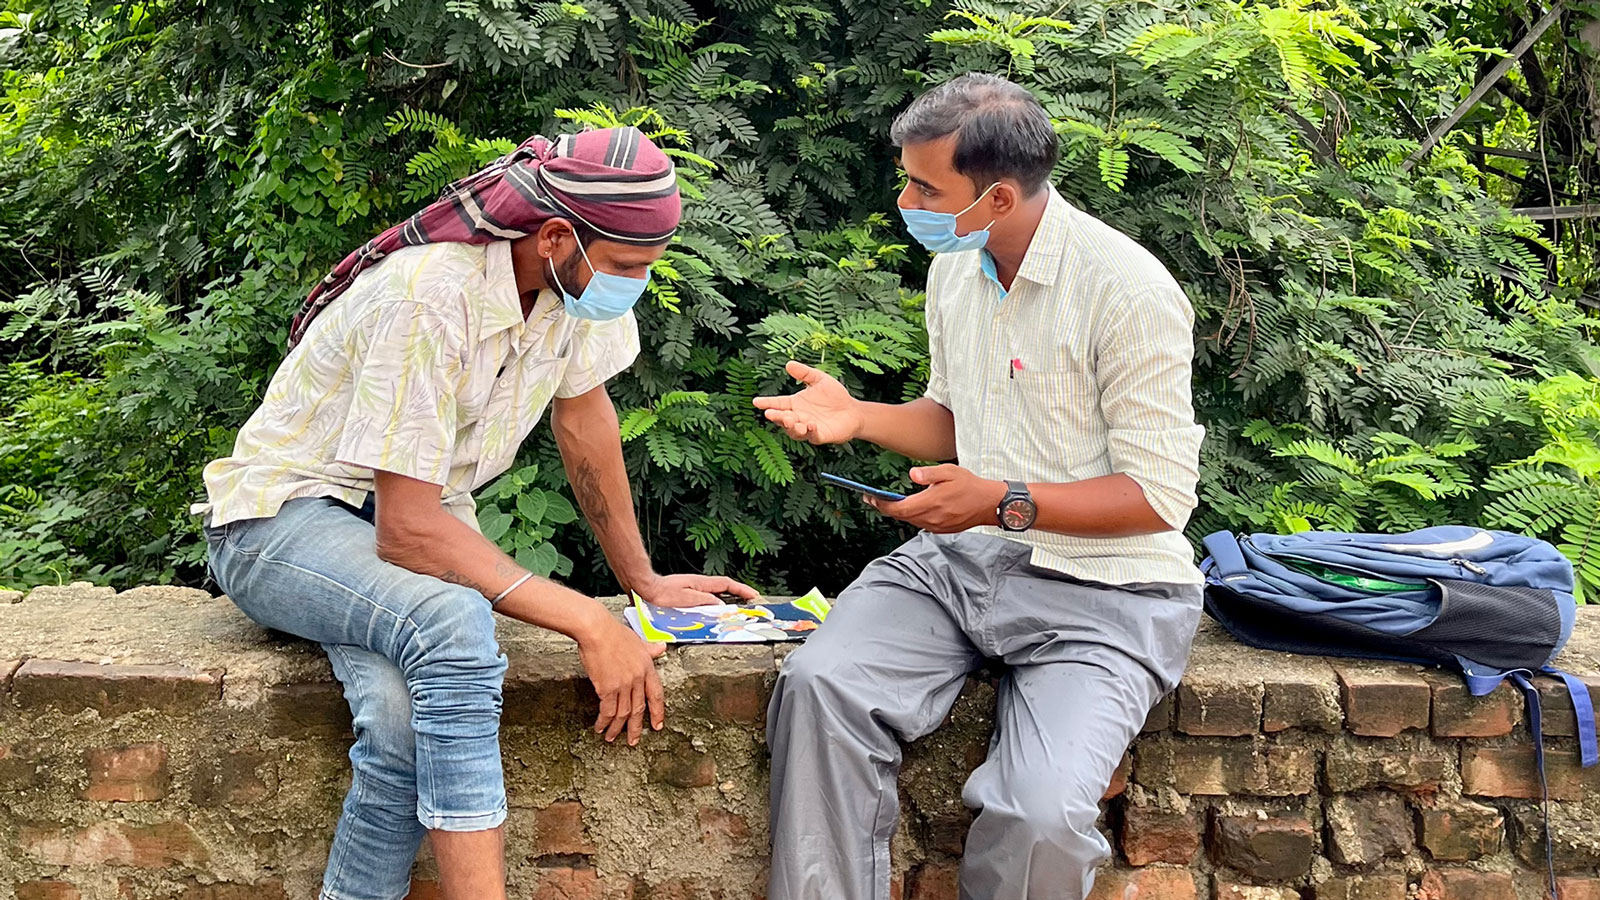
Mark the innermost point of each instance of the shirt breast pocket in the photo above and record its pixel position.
(1059, 424)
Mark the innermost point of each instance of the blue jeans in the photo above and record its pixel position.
(420, 667)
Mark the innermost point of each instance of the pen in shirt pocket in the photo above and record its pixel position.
(1015, 367)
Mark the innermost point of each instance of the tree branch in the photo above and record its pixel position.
(1484, 86)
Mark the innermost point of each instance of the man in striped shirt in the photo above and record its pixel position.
(1060, 384)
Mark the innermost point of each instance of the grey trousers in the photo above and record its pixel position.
(1084, 664)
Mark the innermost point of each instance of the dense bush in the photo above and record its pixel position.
(1379, 348)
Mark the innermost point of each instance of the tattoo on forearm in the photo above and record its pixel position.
(454, 577)
(591, 496)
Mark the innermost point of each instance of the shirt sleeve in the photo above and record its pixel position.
(598, 353)
(407, 360)
(938, 389)
(1143, 360)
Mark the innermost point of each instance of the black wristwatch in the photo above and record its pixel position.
(1017, 509)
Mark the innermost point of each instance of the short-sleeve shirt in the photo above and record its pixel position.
(1081, 370)
(424, 367)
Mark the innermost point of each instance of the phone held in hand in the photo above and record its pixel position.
(881, 493)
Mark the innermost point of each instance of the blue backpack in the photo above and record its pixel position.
(1493, 605)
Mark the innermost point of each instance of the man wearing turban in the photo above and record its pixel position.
(345, 515)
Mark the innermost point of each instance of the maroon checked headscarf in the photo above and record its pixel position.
(614, 180)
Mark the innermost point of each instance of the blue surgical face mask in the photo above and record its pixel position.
(937, 230)
(607, 296)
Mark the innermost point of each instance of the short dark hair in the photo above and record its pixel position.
(1001, 130)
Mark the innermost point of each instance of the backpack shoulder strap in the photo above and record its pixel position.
(1226, 556)
(1583, 710)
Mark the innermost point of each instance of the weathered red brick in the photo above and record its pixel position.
(1157, 883)
(1152, 835)
(1462, 831)
(47, 890)
(425, 889)
(721, 828)
(1511, 772)
(1458, 714)
(1208, 767)
(309, 709)
(131, 774)
(683, 768)
(1466, 884)
(1570, 888)
(1232, 890)
(1413, 765)
(1274, 848)
(728, 684)
(568, 883)
(1160, 716)
(934, 881)
(1219, 707)
(264, 890)
(559, 830)
(236, 778)
(1301, 699)
(1119, 778)
(1366, 828)
(1382, 701)
(551, 696)
(113, 689)
(1555, 704)
(114, 843)
(1364, 887)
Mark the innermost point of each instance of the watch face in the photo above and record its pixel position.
(1018, 514)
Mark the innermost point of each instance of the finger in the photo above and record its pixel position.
(657, 649)
(622, 705)
(803, 373)
(935, 474)
(608, 711)
(636, 715)
(657, 698)
(773, 402)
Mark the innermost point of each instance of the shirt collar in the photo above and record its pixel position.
(1042, 262)
(504, 309)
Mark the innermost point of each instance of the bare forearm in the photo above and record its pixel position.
(588, 435)
(921, 429)
(443, 546)
(1108, 506)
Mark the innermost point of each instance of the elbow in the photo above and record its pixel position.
(401, 543)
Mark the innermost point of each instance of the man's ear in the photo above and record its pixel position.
(1006, 197)
(552, 236)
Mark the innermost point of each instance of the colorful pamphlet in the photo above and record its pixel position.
(726, 623)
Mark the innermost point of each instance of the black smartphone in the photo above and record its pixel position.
(863, 488)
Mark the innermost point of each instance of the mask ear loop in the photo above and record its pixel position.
(975, 202)
(584, 253)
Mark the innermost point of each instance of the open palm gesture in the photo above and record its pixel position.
(823, 412)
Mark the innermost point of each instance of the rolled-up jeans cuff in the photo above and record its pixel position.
(461, 822)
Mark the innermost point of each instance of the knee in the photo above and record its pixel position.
(1053, 810)
(454, 639)
(809, 674)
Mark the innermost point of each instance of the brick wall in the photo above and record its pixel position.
(154, 745)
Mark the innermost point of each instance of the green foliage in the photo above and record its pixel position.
(522, 518)
(1554, 493)
(174, 178)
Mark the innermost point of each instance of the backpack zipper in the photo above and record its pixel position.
(1470, 566)
(1349, 570)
